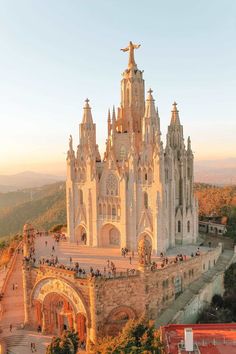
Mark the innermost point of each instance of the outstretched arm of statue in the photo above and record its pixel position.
(125, 49)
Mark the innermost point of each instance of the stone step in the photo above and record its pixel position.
(16, 340)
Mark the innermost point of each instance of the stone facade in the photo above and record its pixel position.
(139, 187)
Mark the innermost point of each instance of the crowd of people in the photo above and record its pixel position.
(108, 271)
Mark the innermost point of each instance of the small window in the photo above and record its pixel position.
(188, 226)
(145, 197)
(179, 226)
(80, 197)
(113, 211)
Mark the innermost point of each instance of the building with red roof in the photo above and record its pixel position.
(212, 338)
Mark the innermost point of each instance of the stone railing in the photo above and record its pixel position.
(57, 271)
(210, 258)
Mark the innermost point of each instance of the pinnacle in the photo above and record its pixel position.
(87, 116)
(150, 97)
(86, 103)
(175, 115)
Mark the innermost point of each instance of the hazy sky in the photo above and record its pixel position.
(54, 54)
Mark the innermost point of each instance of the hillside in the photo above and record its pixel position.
(15, 198)
(215, 200)
(46, 208)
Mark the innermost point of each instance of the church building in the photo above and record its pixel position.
(139, 189)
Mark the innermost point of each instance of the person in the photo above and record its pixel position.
(53, 248)
(10, 327)
(70, 260)
(46, 243)
(108, 263)
(13, 286)
(130, 260)
(39, 329)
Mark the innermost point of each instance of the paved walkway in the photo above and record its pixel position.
(18, 341)
(97, 257)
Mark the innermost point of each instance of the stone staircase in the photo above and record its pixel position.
(168, 315)
(15, 342)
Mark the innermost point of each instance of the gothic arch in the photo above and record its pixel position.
(109, 236)
(81, 235)
(117, 319)
(148, 236)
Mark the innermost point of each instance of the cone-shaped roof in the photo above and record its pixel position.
(87, 115)
(175, 115)
(150, 110)
(109, 116)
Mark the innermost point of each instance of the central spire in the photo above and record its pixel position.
(131, 48)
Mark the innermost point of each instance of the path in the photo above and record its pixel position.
(18, 341)
(13, 306)
(168, 315)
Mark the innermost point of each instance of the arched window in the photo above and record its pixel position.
(127, 95)
(81, 197)
(140, 175)
(100, 209)
(113, 210)
(145, 200)
(179, 226)
(188, 226)
(166, 175)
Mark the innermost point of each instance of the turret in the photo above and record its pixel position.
(132, 95)
(150, 123)
(70, 160)
(88, 133)
(109, 123)
(87, 127)
(175, 130)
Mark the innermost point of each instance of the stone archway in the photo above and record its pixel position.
(117, 319)
(58, 306)
(81, 235)
(109, 236)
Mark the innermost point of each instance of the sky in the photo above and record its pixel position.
(56, 53)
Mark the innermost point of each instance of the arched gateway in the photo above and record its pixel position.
(59, 306)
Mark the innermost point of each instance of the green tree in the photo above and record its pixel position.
(137, 337)
(67, 343)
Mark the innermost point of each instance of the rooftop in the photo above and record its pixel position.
(217, 338)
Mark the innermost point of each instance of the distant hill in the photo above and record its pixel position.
(26, 179)
(43, 207)
(221, 172)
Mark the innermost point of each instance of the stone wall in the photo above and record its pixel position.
(110, 302)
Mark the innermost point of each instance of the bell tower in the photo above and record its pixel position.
(132, 105)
